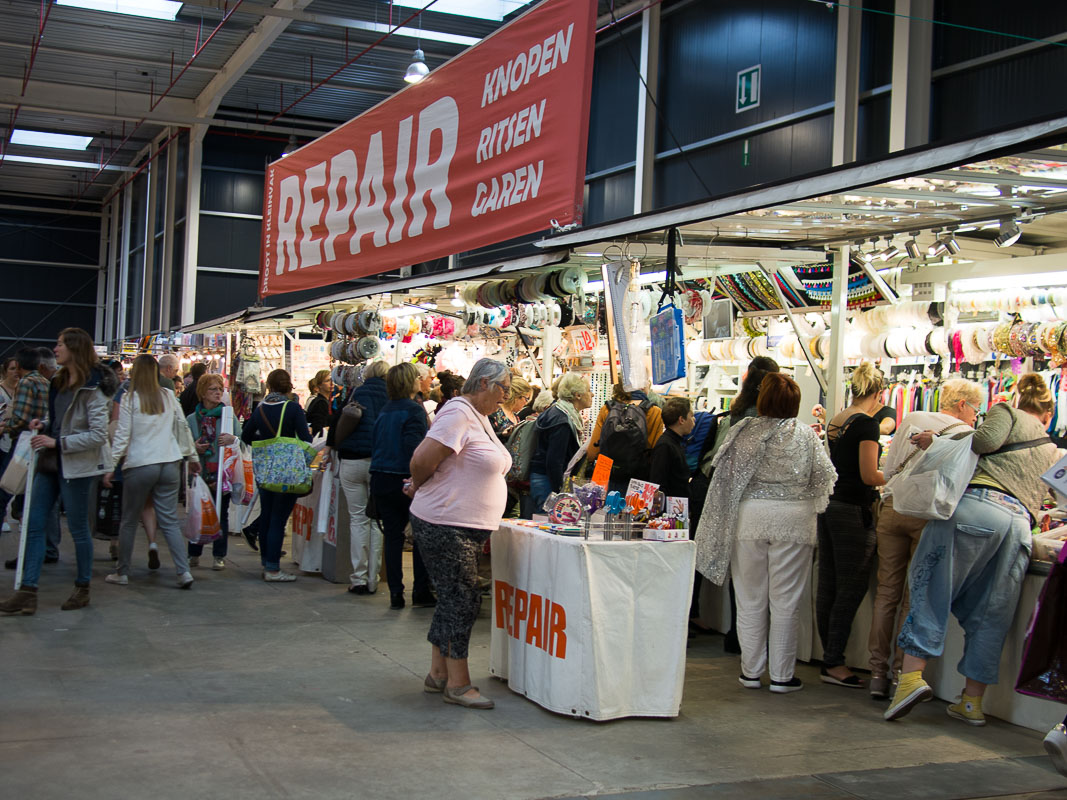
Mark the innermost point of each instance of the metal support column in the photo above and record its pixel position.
(165, 322)
(835, 360)
(124, 260)
(909, 104)
(102, 277)
(847, 82)
(646, 115)
(111, 313)
(148, 283)
(192, 224)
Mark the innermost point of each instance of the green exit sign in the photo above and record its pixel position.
(748, 88)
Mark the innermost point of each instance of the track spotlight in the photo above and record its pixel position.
(1009, 233)
(936, 249)
(891, 251)
(912, 246)
(951, 244)
(418, 69)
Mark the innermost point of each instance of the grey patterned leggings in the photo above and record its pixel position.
(451, 558)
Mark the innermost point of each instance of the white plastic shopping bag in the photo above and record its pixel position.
(931, 484)
(14, 479)
(202, 522)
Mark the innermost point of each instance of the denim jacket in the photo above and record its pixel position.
(401, 426)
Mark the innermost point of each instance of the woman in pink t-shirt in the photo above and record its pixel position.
(457, 482)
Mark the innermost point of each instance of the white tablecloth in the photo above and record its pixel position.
(590, 628)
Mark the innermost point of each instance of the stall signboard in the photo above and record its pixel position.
(488, 147)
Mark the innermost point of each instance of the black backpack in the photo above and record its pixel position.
(624, 439)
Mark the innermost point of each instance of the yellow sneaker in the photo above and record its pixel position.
(911, 690)
(968, 709)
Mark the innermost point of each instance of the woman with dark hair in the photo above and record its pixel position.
(772, 477)
(276, 415)
(318, 407)
(148, 447)
(76, 433)
(846, 529)
(744, 405)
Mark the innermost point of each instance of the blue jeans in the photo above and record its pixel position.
(540, 489)
(75, 493)
(275, 509)
(220, 545)
(972, 564)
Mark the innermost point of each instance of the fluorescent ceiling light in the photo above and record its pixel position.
(494, 10)
(415, 33)
(155, 9)
(651, 277)
(61, 162)
(1030, 281)
(61, 141)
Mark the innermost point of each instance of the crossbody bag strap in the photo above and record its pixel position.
(1021, 445)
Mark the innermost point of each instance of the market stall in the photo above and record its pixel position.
(593, 629)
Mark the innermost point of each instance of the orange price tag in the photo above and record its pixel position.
(602, 471)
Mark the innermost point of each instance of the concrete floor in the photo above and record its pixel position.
(241, 689)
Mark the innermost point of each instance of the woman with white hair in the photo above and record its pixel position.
(355, 454)
(459, 494)
(897, 534)
(559, 432)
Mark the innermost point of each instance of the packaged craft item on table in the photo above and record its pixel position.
(565, 509)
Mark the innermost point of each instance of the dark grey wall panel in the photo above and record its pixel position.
(229, 242)
(238, 192)
(609, 198)
(613, 106)
(1033, 19)
(872, 128)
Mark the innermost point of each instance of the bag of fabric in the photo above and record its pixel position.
(202, 522)
(13, 480)
(1043, 672)
(247, 378)
(348, 421)
(282, 464)
(624, 439)
(931, 482)
(521, 445)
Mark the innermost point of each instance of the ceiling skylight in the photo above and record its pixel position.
(62, 141)
(155, 9)
(494, 10)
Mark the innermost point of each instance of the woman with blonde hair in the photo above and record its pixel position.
(79, 407)
(897, 534)
(505, 418)
(846, 527)
(147, 446)
(559, 432)
(973, 563)
(318, 407)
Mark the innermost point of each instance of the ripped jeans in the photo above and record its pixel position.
(972, 564)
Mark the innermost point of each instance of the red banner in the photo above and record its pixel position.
(488, 147)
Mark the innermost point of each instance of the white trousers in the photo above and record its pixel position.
(769, 577)
(355, 483)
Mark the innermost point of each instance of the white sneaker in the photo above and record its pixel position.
(194, 561)
(120, 580)
(185, 580)
(1056, 747)
(5, 528)
(220, 563)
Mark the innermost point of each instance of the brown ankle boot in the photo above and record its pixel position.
(24, 601)
(80, 598)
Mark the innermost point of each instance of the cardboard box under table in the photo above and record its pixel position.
(591, 628)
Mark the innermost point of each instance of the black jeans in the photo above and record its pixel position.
(393, 506)
(846, 552)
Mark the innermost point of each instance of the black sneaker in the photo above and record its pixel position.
(11, 563)
(794, 684)
(51, 559)
(358, 590)
(423, 599)
(250, 535)
(396, 601)
(153, 558)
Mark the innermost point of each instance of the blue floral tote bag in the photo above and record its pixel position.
(283, 463)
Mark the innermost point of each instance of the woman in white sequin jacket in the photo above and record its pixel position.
(772, 477)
